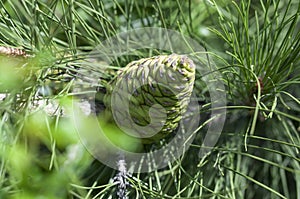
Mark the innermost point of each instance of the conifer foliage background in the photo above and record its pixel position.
(255, 45)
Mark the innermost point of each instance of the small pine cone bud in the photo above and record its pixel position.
(158, 91)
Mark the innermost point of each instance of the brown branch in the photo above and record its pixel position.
(12, 51)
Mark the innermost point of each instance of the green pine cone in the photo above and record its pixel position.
(155, 91)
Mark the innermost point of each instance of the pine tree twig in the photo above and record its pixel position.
(121, 178)
(12, 51)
